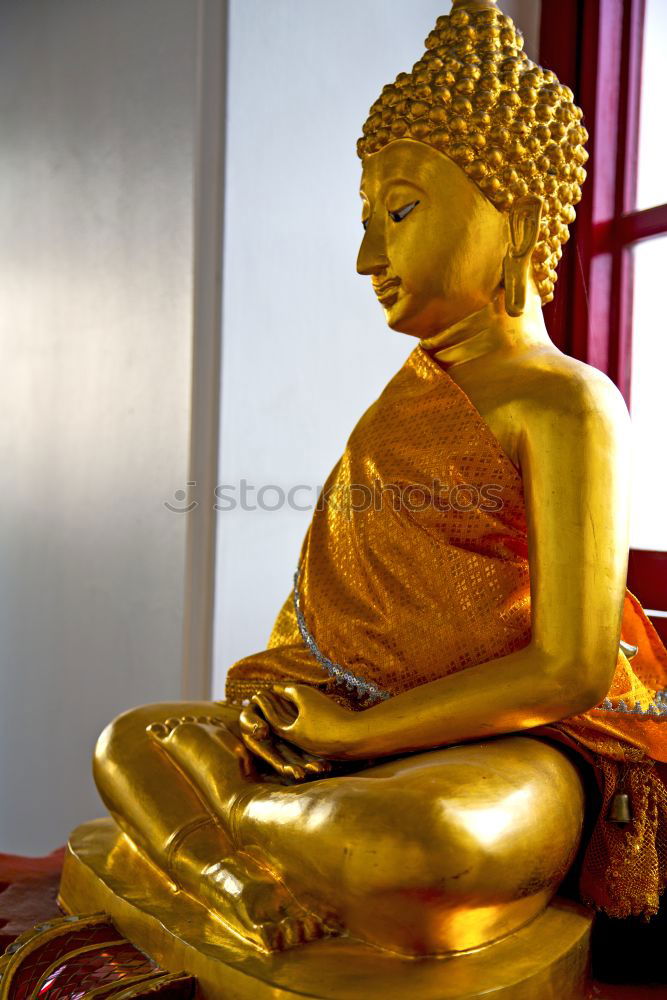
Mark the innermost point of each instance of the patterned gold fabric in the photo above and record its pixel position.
(415, 566)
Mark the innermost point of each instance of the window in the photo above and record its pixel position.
(610, 309)
(652, 149)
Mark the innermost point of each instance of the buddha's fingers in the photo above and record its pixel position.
(311, 765)
(279, 713)
(318, 766)
(268, 752)
(257, 736)
(253, 725)
(286, 759)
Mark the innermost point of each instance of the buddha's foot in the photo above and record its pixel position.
(258, 906)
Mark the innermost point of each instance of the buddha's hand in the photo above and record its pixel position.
(260, 738)
(305, 717)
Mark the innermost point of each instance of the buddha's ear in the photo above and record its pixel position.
(524, 224)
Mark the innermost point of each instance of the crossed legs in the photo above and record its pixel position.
(434, 852)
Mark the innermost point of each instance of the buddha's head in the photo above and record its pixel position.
(472, 166)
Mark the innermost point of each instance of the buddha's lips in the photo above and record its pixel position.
(387, 291)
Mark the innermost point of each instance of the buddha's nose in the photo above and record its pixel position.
(372, 258)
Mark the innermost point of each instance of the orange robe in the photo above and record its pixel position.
(415, 566)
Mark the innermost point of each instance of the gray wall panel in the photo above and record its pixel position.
(97, 127)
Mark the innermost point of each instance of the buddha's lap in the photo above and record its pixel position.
(506, 772)
(512, 805)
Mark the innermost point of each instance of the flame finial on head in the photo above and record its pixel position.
(476, 96)
(475, 5)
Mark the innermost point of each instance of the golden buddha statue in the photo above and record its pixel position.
(402, 766)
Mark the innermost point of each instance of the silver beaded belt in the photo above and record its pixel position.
(657, 707)
(351, 681)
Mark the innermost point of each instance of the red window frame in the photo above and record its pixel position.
(595, 46)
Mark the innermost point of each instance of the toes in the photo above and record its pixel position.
(158, 730)
(332, 925)
(162, 729)
(292, 933)
(294, 771)
(312, 928)
(318, 767)
(271, 936)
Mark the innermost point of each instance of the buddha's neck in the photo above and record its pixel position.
(487, 332)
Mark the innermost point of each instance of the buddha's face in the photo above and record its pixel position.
(434, 244)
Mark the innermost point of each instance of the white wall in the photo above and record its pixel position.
(98, 122)
(305, 348)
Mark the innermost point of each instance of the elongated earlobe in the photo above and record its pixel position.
(515, 287)
(524, 232)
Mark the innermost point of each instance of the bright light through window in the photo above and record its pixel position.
(652, 177)
(649, 397)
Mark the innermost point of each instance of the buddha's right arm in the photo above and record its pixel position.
(574, 458)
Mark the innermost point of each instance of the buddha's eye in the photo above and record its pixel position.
(402, 213)
(364, 223)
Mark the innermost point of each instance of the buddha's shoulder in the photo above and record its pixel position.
(562, 386)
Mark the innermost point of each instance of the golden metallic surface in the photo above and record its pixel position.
(136, 986)
(545, 960)
(464, 861)
(510, 125)
(145, 984)
(375, 780)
